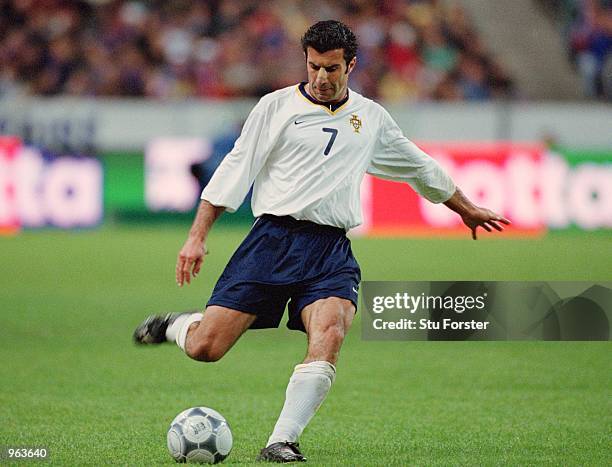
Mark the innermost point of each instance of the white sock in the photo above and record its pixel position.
(307, 389)
(177, 331)
(176, 325)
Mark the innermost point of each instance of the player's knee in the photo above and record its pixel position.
(204, 351)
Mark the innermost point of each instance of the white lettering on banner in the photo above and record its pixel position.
(590, 196)
(169, 184)
(65, 192)
(73, 191)
(531, 193)
(484, 183)
(524, 190)
(29, 169)
(555, 177)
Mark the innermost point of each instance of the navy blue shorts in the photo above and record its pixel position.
(283, 259)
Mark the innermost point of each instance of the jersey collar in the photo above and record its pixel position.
(331, 106)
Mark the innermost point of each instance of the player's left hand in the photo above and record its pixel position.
(485, 218)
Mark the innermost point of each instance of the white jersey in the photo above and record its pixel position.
(307, 160)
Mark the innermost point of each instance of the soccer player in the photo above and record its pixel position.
(305, 150)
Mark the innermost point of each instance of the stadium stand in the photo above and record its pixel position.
(586, 27)
(410, 50)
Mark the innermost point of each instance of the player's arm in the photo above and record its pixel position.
(399, 159)
(474, 216)
(191, 256)
(227, 188)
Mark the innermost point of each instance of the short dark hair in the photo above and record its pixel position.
(330, 35)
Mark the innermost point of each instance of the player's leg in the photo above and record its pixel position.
(326, 321)
(210, 338)
(246, 284)
(205, 337)
(157, 329)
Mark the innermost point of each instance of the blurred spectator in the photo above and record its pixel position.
(591, 44)
(409, 49)
(587, 29)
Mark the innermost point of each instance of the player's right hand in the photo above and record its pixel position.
(189, 260)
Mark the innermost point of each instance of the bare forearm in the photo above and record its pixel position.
(460, 204)
(206, 216)
(474, 216)
(191, 256)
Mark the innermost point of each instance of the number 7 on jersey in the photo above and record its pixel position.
(332, 138)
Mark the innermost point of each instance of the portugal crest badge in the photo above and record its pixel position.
(355, 122)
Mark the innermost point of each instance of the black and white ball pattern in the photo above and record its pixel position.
(199, 435)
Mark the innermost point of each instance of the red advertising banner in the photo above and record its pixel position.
(9, 218)
(505, 177)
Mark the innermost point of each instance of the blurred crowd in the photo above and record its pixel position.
(590, 42)
(587, 29)
(409, 49)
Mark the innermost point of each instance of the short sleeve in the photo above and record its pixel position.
(399, 159)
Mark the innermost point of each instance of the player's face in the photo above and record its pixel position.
(328, 74)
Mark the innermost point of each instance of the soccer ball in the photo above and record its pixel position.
(199, 435)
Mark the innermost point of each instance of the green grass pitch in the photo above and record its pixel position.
(71, 379)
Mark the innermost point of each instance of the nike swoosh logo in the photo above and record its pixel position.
(297, 123)
(355, 290)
